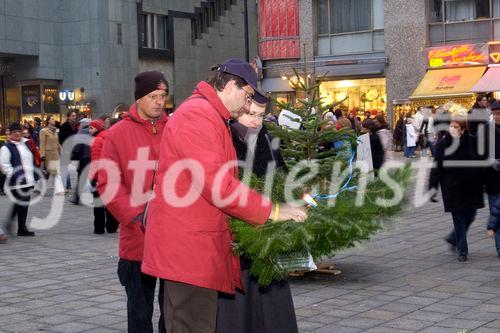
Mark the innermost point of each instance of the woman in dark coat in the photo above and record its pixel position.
(256, 309)
(461, 186)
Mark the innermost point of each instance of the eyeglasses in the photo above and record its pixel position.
(249, 96)
(256, 116)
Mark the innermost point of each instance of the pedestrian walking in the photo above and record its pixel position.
(17, 162)
(492, 182)
(36, 131)
(256, 309)
(461, 186)
(190, 245)
(342, 122)
(3, 142)
(138, 133)
(411, 139)
(50, 152)
(376, 145)
(81, 153)
(67, 130)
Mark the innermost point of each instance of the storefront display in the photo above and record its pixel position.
(456, 73)
(399, 109)
(38, 99)
(362, 95)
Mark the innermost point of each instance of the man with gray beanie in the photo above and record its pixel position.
(132, 145)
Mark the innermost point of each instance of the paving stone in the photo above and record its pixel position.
(494, 324)
(308, 326)
(382, 329)
(402, 280)
(486, 330)
(462, 323)
(58, 319)
(72, 327)
(428, 316)
(443, 308)
(25, 327)
(407, 324)
(418, 300)
(338, 329)
(381, 314)
(360, 322)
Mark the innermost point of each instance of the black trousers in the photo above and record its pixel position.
(2, 181)
(103, 219)
(81, 180)
(20, 205)
(140, 289)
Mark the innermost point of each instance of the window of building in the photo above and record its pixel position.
(463, 20)
(119, 34)
(152, 31)
(350, 26)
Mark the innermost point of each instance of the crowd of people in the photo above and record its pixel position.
(451, 139)
(32, 157)
(187, 249)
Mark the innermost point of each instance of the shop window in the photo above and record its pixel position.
(355, 95)
(349, 26)
(463, 20)
(152, 31)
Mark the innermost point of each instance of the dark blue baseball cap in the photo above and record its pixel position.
(242, 69)
(495, 106)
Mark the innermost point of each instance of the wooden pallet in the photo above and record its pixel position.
(323, 268)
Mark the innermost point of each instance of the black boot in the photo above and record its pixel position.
(23, 231)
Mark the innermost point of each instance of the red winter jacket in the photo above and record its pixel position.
(96, 152)
(124, 141)
(192, 244)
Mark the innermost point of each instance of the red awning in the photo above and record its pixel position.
(489, 82)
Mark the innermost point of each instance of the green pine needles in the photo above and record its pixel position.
(353, 215)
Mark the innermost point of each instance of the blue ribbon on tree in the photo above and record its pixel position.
(344, 187)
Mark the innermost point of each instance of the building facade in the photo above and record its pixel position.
(57, 55)
(371, 55)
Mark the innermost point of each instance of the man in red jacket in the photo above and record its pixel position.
(125, 180)
(188, 241)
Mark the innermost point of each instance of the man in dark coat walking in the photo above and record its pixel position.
(67, 130)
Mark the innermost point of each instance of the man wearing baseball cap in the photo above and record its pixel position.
(140, 131)
(189, 243)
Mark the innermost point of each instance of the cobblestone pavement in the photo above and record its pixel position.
(404, 280)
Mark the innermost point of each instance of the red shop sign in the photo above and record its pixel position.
(458, 55)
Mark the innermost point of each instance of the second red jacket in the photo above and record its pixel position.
(125, 141)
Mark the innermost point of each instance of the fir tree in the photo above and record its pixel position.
(338, 221)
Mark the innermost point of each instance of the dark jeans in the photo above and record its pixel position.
(491, 199)
(22, 197)
(190, 309)
(409, 151)
(140, 289)
(103, 219)
(461, 222)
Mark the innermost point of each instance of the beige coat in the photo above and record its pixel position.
(50, 149)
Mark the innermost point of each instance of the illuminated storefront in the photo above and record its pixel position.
(356, 95)
(453, 72)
